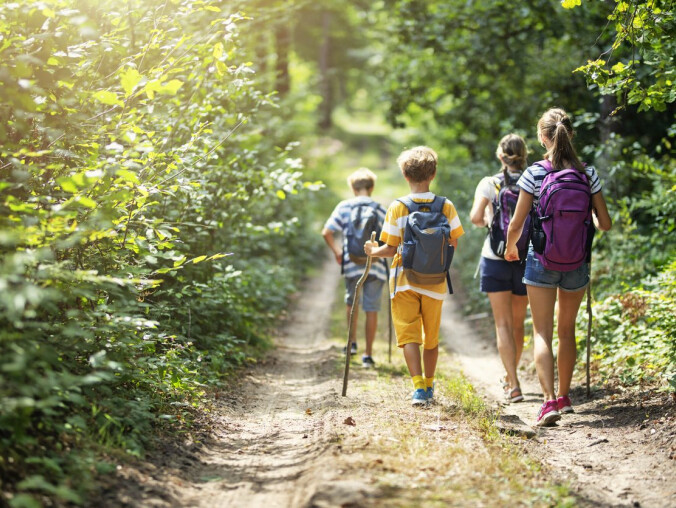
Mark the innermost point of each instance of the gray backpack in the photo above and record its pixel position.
(426, 254)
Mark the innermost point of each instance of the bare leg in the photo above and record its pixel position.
(412, 357)
(569, 304)
(430, 357)
(370, 330)
(519, 307)
(501, 303)
(542, 302)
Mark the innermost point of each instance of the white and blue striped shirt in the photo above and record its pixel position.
(337, 223)
(531, 180)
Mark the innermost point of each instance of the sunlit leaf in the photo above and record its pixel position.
(129, 79)
(107, 97)
(570, 4)
(128, 176)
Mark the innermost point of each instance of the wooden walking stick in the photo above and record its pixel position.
(389, 322)
(589, 332)
(389, 316)
(353, 314)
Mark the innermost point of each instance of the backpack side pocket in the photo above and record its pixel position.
(407, 254)
(538, 237)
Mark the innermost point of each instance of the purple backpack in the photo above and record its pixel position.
(562, 220)
(504, 205)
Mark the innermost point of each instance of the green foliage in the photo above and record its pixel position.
(151, 227)
(634, 338)
(641, 242)
(482, 69)
(638, 67)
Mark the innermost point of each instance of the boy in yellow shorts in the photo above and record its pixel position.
(416, 306)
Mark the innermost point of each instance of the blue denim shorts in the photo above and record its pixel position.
(538, 275)
(370, 292)
(500, 275)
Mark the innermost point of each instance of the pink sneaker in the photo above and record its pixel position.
(564, 405)
(548, 414)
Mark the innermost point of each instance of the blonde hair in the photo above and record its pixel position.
(512, 152)
(363, 178)
(418, 164)
(556, 126)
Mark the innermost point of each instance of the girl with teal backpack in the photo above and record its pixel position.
(557, 264)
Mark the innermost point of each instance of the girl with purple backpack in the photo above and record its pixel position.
(494, 201)
(566, 202)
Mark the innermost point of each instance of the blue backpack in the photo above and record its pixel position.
(425, 252)
(362, 222)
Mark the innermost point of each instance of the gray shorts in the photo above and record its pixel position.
(537, 275)
(370, 292)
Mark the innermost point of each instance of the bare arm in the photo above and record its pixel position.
(478, 213)
(331, 242)
(523, 206)
(384, 251)
(600, 213)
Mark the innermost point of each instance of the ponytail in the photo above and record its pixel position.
(556, 126)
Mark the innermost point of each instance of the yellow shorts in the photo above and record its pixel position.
(416, 319)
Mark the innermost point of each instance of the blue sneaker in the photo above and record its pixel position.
(430, 393)
(419, 397)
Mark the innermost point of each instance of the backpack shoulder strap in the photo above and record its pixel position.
(437, 204)
(544, 164)
(511, 180)
(410, 205)
(373, 204)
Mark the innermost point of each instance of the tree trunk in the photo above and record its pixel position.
(326, 90)
(282, 43)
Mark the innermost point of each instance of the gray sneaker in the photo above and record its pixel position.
(367, 362)
(353, 348)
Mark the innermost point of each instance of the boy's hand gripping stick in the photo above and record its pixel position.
(353, 314)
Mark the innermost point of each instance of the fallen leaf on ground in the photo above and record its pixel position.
(435, 427)
(350, 421)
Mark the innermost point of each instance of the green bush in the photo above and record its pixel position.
(151, 229)
(634, 339)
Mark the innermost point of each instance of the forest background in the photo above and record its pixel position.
(166, 165)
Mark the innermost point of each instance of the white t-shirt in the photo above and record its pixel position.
(488, 188)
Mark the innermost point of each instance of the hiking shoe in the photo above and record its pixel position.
(513, 395)
(367, 362)
(430, 394)
(548, 414)
(564, 405)
(353, 348)
(419, 397)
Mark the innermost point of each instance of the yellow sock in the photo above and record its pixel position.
(429, 382)
(418, 382)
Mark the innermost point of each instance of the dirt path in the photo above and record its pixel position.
(266, 445)
(615, 450)
(285, 439)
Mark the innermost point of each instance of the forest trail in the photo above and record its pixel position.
(288, 439)
(263, 448)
